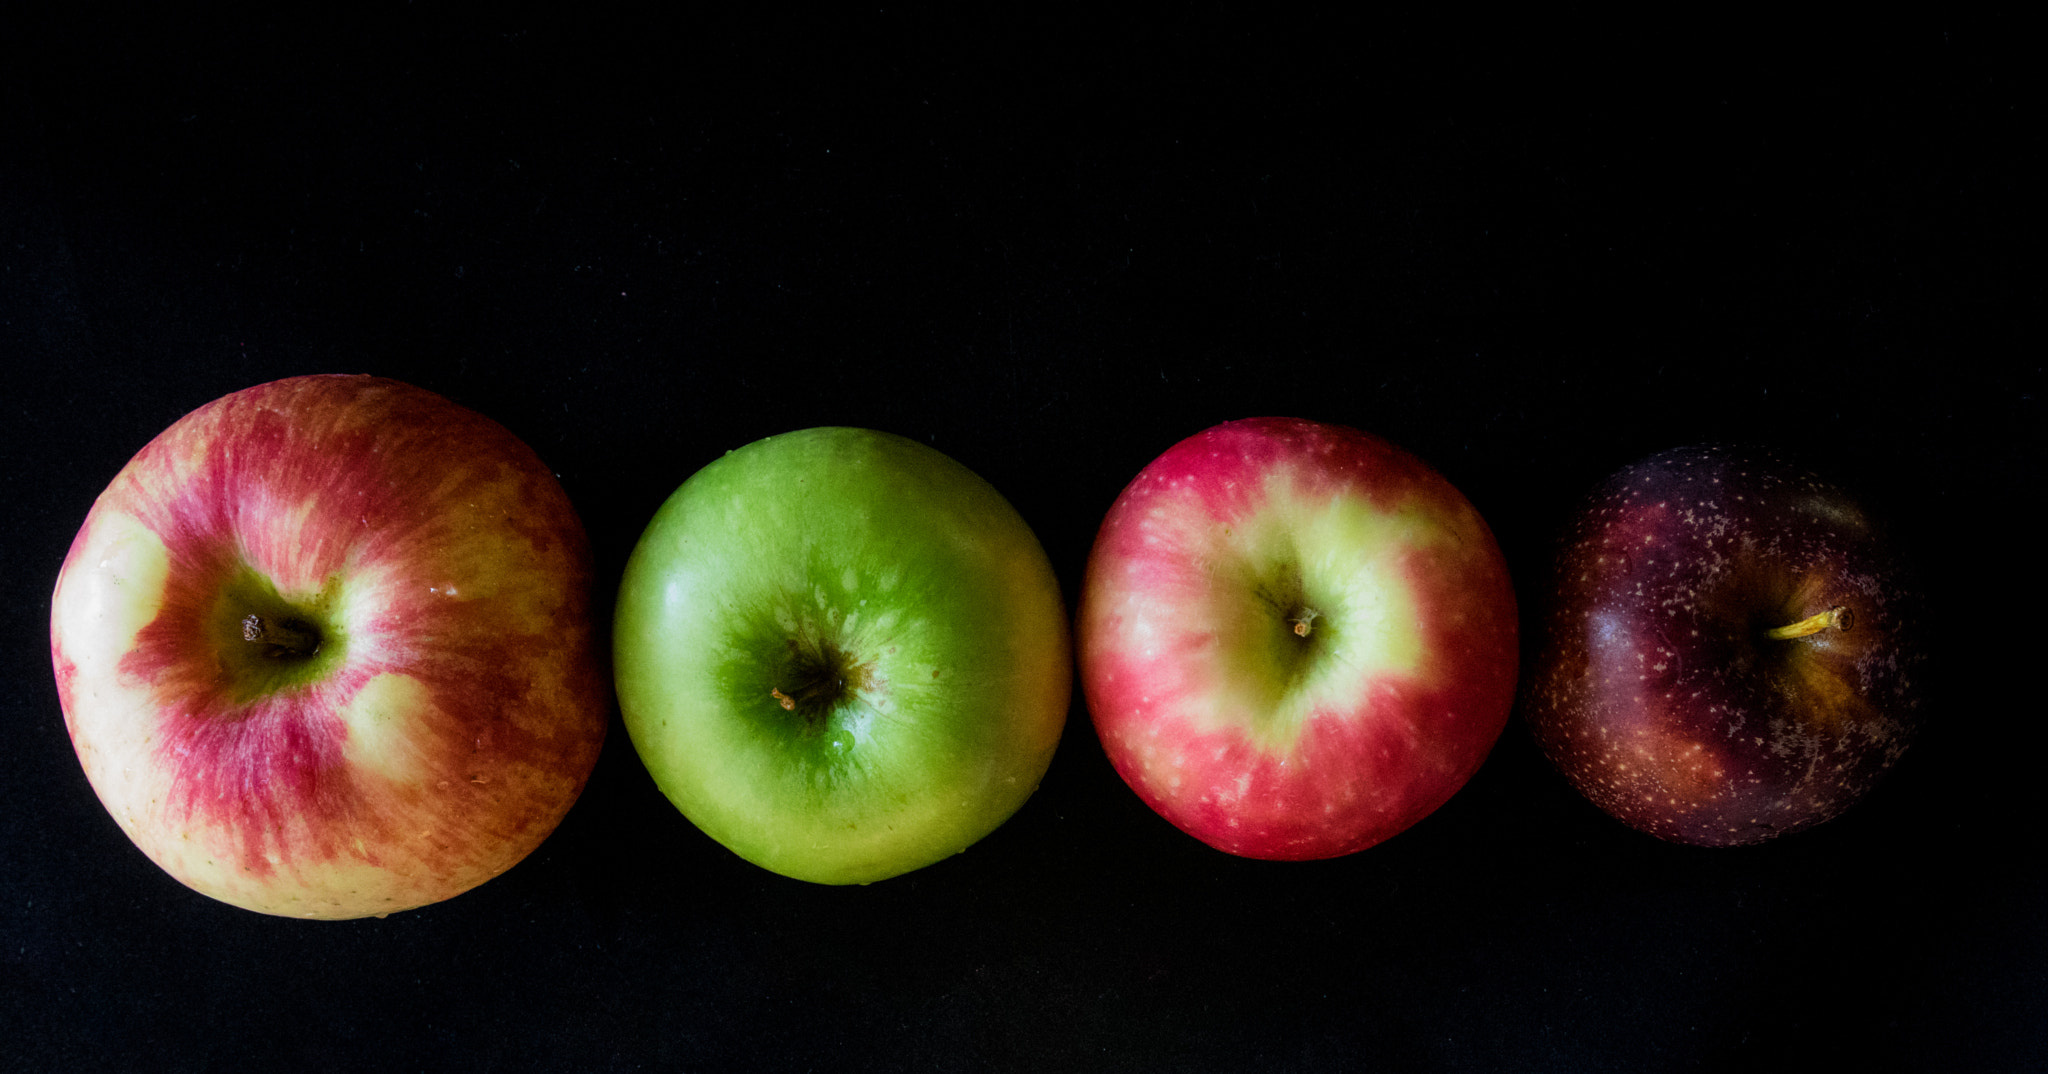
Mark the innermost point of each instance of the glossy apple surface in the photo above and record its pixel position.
(1296, 639)
(842, 654)
(1730, 654)
(324, 648)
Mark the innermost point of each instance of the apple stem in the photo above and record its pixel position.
(827, 689)
(284, 637)
(1837, 617)
(1306, 623)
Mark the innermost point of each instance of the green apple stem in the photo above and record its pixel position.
(825, 678)
(285, 637)
(1305, 622)
(1837, 617)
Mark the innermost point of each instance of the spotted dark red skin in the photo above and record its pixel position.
(1659, 694)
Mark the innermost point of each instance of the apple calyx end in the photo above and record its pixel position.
(1838, 617)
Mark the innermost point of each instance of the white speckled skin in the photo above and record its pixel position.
(1659, 694)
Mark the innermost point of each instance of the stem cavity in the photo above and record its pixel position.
(819, 676)
(282, 637)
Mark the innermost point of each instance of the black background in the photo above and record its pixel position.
(1051, 245)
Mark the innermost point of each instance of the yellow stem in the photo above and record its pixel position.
(1837, 617)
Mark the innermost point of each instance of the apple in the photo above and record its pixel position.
(324, 649)
(1296, 639)
(842, 654)
(1730, 654)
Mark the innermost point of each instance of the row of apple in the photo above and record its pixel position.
(325, 648)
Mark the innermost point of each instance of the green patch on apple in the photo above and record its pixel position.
(267, 643)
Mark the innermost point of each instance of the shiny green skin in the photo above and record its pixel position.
(946, 612)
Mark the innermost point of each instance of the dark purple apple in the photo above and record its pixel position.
(1730, 651)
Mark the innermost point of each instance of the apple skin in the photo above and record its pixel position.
(455, 704)
(1659, 693)
(891, 591)
(1228, 721)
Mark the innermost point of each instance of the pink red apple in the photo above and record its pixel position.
(324, 648)
(1296, 639)
(1730, 654)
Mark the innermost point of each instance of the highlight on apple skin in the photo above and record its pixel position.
(842, 654)
(1731, 650)
(324, 648)
(1296, 639)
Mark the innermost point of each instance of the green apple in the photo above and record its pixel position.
(842, 654)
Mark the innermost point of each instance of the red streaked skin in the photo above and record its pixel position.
(1659, 694)
(456, 708)
(1193, 584)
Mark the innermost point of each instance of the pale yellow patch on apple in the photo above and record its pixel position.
(113, 588)
(1331, 564)
(353, 885)
(382, 720)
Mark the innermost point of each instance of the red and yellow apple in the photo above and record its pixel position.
(324, 648)
(1296, 639)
